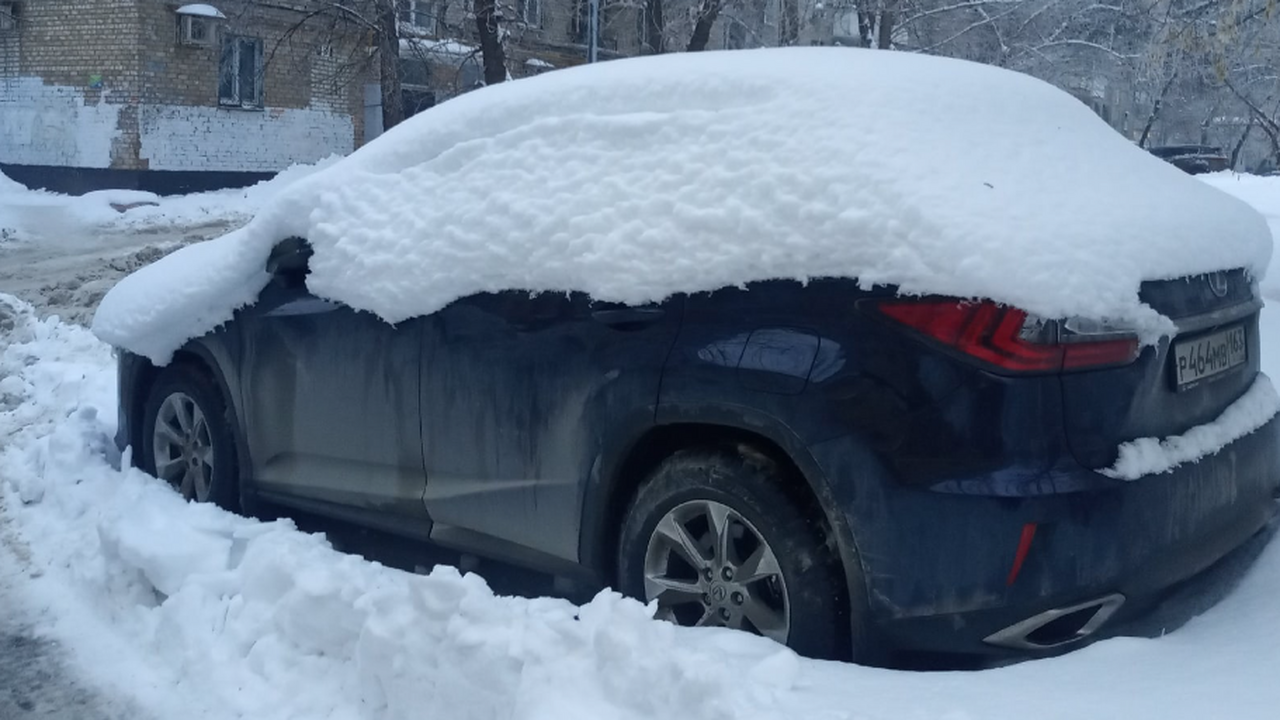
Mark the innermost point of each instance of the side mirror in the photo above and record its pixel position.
(288, 259)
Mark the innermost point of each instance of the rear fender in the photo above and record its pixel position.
(603, 483)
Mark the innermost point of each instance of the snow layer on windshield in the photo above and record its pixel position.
(1151, 456)
(637, 179)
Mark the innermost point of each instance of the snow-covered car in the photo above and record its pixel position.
(720, 331)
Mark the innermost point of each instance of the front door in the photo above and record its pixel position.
(331, 398)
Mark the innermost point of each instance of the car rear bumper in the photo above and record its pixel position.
(940, 567)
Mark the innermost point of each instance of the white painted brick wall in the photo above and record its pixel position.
(177, 137)
(51, 125)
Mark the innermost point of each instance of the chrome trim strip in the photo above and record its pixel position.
(1239, 311)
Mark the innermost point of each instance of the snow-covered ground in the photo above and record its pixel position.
(63, 253)
(35, 215)
(34, 682)
(188, 611)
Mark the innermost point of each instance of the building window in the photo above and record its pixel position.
(418, 13)
(8, 16)
(240, 72)
(530, 12)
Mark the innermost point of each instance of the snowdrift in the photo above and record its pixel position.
(1262, 194)
(637, 179)
(37, 215)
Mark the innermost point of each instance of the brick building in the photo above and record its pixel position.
(174, 97)
(166, 97)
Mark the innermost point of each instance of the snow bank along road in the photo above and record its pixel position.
(172, 610)
(34, 681)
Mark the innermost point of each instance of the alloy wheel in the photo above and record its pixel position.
(183, 446)
(707, 565)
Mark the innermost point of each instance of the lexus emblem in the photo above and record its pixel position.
(1218, 284)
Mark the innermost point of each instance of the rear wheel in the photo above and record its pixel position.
(187, 439)
(712, 537)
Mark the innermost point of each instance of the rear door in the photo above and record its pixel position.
(1182, 383)
(520, 395)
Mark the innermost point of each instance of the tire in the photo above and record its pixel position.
(199, 442)
(799, 600)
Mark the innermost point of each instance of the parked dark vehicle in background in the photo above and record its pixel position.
(1193, 159)
(848, 472)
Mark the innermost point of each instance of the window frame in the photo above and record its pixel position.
(531, 19)
(10, 15)
(412, 13)
(237, 99)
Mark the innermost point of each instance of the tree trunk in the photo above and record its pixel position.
(1206, 124)
(708, 11)
(654, 26)
(866, 23)
(389, 66)
(1268, 125)
(1155, 110)
(1235, 151)
(790, 33)
(495, 61)
(888, 18)
(1275, 144)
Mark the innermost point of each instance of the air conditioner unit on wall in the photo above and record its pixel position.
(195, 30)
(197, 24)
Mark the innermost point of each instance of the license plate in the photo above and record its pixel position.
(1207, 356)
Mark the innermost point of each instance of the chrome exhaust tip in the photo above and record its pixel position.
(1059, 626)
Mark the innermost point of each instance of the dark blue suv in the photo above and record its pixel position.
(849, 472)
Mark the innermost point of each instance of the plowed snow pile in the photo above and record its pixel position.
(37, 215)
(636, 179)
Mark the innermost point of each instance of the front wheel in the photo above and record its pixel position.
(712, 537)
(187, 439)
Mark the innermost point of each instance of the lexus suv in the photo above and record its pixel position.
(848, 471)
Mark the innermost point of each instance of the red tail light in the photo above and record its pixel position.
(1007, 338)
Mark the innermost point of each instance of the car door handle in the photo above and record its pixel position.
(627, 316)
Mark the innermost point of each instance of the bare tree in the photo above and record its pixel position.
(1155, 109)
(491, 50)
(388, 43)
(377, 25)
(654, 26)
(707, 13)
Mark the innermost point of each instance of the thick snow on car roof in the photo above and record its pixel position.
(636, 179)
